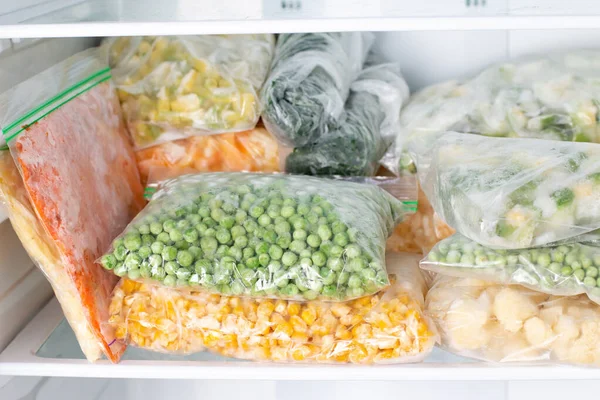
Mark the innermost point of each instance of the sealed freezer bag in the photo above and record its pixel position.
(172, 87)
(369, 125)
(513, 193)
(279, 236)
(419, 232)
(77, 169)
(387, 327)
(255, 150)
(501, 323)
(553, 97)
(565, 270)
(304, 94)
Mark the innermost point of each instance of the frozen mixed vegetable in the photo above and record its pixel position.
(280, 236)
(566, 270)
(553, 97)
(172, 87)
(369, 125)
(255, 150)
(513, 193)
(309, 82)
(500, 323)
(387, 327)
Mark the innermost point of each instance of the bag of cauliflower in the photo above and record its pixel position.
(501, 323)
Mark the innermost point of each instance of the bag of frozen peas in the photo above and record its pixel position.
(173, 87)
(280, 236)
(501, 323)
(387, 327)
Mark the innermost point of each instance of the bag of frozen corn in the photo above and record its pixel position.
(263, 235)
(173, 87)
(70, 185)
(387, 327)
(501, 323)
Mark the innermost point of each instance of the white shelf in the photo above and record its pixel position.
(87, 18)
(47, 347)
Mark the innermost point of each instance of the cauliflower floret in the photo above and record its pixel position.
(511, 308)
(465, 323)
(538, 332)
(550, 315)
(516, 348)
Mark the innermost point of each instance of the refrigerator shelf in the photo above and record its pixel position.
(47, 347)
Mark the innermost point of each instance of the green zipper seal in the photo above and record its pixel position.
(149, 192)
(95, 79)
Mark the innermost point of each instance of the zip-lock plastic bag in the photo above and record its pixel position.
(76, 188)
(255, 150)
(387, 327)
(172, 87)
(553, 97)
(280, 236)
(565, 270)
(309, 82)
(369, 125)
(513, 193)
(500, 323)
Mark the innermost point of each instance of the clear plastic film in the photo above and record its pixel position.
(369, 125)
(513, 193)
(255, 150)
(387, 327)
(260, 235)
(553, 97)
(309, 82)
(83, 188)
(173, 87)
(565, 270)
(500, 323)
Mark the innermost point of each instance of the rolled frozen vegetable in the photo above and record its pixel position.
(369, 125)
(173, 87)
(501, 323)
(513, 193)
(280, 236)
(387, 327)
(309, 82)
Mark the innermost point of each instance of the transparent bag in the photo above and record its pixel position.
(280, 236)
(387, 327)
(73, 186)
(513, 193)
(500, 323)
(309, 82)
(172, 87)
(370, 124)
(553, 97)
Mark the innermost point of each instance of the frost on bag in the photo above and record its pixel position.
(279, 236)
(500, 323)
(513, 193)
(255, 150)
(76, 188)
(309, 82)
(555, 97)
(369, 125)
(565, 270)
(387, 327)
(172, 87)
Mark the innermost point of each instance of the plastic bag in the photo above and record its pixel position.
(280, 236)
(387, 327)
(513, 193)
(172, 87)
(370, 124)
(553, 97)
(419, 232)
(255, 150)
(565, 270)
(501, 323)
(309, 82)
(78, 173)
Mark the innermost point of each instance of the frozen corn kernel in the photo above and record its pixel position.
(359, 331)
